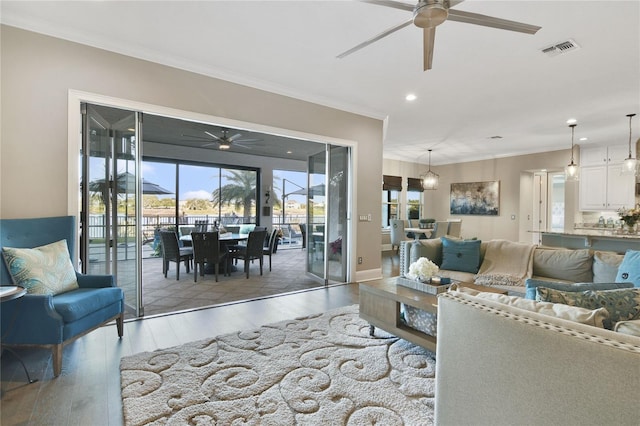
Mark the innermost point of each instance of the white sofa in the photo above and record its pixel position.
(502, 365)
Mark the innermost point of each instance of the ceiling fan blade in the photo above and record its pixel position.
(390, 3)
(490, 21)
(376, 38)
(234, 137)
(218, 138)
(247, 140)
(208, 144)
(429, 35)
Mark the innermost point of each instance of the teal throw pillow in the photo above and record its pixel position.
(42, 270)
(629, 269)
(622, 304)
(460, 255)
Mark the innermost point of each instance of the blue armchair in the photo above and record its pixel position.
(53, 321)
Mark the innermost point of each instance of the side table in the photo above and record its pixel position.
(12, 292)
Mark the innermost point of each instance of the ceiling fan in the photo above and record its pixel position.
(428, 14)
(224, 141)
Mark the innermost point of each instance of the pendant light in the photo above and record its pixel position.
(630, 164)
(429, 179)
(572, 171)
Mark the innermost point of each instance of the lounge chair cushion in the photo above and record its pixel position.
(77, 304)
(42, 270)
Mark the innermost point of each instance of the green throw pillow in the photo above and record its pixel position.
(622, 304)
(42, 270)
(460, 255)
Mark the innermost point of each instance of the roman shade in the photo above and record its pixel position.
(414, 184)
(391, 183)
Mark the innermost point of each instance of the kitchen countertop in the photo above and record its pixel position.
(594, 232)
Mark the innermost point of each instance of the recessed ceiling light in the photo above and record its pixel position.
(289, 152)
(411, 97)
(572, 121)
(584, 139)
(543, 170)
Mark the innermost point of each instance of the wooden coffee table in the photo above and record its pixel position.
(380, 306)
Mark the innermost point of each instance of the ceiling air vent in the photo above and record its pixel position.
(562, 47)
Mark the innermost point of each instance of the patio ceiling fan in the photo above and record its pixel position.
(224, 141)
(428, 14)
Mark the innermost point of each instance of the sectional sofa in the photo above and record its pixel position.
(501, 364)
(512, 266)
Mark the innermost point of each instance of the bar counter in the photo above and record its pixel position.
(594, 238)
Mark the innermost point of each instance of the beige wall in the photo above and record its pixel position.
(38, 72)
(514, 174)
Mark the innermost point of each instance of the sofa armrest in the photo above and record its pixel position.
(31, 319)
(95, 281)
(491, 368)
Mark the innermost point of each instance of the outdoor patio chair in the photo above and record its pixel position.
(271, 244)
(206, 249)
(252, 251)
(172, 252)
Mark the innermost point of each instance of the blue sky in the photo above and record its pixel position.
(199, 182)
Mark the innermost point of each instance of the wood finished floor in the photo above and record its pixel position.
(88, 390)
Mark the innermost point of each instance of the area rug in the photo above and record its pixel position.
(322, 369)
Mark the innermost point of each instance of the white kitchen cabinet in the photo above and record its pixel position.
(602, 186)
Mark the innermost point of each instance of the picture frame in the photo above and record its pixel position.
(475, 198)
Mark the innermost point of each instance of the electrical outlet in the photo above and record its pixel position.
(359, 260)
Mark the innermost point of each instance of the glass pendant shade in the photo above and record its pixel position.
(572, 171)
(630, 164)
(429, 179)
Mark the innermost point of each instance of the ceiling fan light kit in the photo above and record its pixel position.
(429, 13)
(572, 171)
(630, 164)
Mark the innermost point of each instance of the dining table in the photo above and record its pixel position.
(419, 231)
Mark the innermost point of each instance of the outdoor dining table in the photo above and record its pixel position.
(226, 239)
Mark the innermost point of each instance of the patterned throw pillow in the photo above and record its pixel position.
(622, 304)
(42, 270)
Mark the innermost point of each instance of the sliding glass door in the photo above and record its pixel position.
(109, 242)
(328, 214)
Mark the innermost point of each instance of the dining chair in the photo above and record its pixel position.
(455, 228)
(201, 225)
(271, 244)
(397, 233)
(252, 251)
(172, 252)
(440, 229)
(303, 231)
(206, 249)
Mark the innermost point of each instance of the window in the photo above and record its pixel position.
(414, 198)
(391, 187)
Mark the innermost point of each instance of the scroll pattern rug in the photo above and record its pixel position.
(318, 370)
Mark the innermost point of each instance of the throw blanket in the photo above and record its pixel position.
(505, 263)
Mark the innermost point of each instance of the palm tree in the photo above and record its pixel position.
(240, 191)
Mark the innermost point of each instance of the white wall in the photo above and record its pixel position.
(38, 72)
